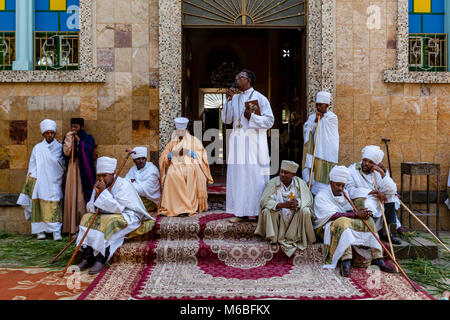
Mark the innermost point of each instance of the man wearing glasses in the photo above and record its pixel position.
(248, 154)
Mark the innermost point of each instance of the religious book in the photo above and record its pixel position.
(253, 106)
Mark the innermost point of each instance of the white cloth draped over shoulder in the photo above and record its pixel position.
(248, 157)
(327, 148)
(326, 204)
(447, 202)
(146, 181)
(359, 185)
(47, 166)
(122, 199)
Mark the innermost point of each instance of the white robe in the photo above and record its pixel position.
(248, 159)
(447, 202)
(327, 145)
(47, 166)
(123, 199)
(360, 185)
(283, 194)
(146, 181)
(326, 204)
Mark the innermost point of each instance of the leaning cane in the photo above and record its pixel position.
(423, 225)
(314, 154)
(64, 249)
(384, 219)
(95, 216)
(71, 189)
(382, 245)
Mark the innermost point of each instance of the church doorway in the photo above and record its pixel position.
(213, 56)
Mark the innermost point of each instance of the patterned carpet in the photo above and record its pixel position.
(206, 257)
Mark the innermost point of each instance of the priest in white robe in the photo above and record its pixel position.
(42, 193)
(144, 176)
(287, 211)
(342, 229)
(248, 160)
(327, 147)
(361, 187)
(447, 202)
(121, 212)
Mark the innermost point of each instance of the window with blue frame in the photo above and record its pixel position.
(56, 34)
(427, 37)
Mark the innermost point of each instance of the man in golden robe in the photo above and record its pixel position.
(184, 172)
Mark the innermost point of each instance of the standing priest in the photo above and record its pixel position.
(248, 160)
(287, 211)
(121, 212)
(41, 195)
(327, 146)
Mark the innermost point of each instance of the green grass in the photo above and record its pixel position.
(26, 251)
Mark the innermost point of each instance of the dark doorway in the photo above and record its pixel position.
(212, 58)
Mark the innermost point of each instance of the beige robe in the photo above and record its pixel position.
(78, 202)
(296, 234)
(183, 179)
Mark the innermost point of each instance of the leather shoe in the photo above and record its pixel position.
(345, 267)
(393, 239)
(97, 268)
(383, 266)
(83, 265)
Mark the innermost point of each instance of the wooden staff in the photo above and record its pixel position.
(382, 245)
(95, 216)
(71, 189)
(384, 219)
(314, 153)
(64, 249)
(424, 225)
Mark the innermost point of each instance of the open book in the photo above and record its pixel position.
(253, 106)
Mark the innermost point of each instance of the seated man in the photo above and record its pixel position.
(144, 176)
(361, 187)
(341, 228)
(121, 212)
(42, 193)
(184, 174)
(286, 211)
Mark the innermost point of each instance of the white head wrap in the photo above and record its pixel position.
(141, 152)
(47, 125)
(289, 166)
(323, 97)
(181, 123)
(373, 153)
(106, 165)
(339, 174)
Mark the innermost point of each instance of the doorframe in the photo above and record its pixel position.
(320, 62)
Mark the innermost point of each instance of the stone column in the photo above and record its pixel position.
(24, 35)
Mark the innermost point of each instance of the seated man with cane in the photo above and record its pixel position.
(342, 229)
(121, 212)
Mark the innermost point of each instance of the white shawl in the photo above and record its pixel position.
(146, 181)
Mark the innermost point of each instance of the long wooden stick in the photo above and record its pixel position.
(314, 154)
(71, 189)
(424, 225)
(382, 245)
(384, 219)
(95, 216)
(64, 249)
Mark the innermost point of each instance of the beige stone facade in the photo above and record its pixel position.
(124, 111)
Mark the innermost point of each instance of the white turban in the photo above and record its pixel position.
(181, 123)
(141, 152)
(323, 97)
(106, 165)
(373, 153)
(47, 125)
(339, 174)
(289, 166)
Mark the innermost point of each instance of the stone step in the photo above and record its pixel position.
(417, 248)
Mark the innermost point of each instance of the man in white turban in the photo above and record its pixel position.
(184, 173)
(341, 228)
(42, 193)
(121, 212)
(327, 146)
(144, 177)
(361, 188)
(287, 211)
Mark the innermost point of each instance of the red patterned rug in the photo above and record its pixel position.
(206, 257)
(217, 188)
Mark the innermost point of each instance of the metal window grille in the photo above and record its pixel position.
(427, 52)
(7, 50)
(56, 51)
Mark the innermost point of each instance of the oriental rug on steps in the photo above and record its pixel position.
(207, 257)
